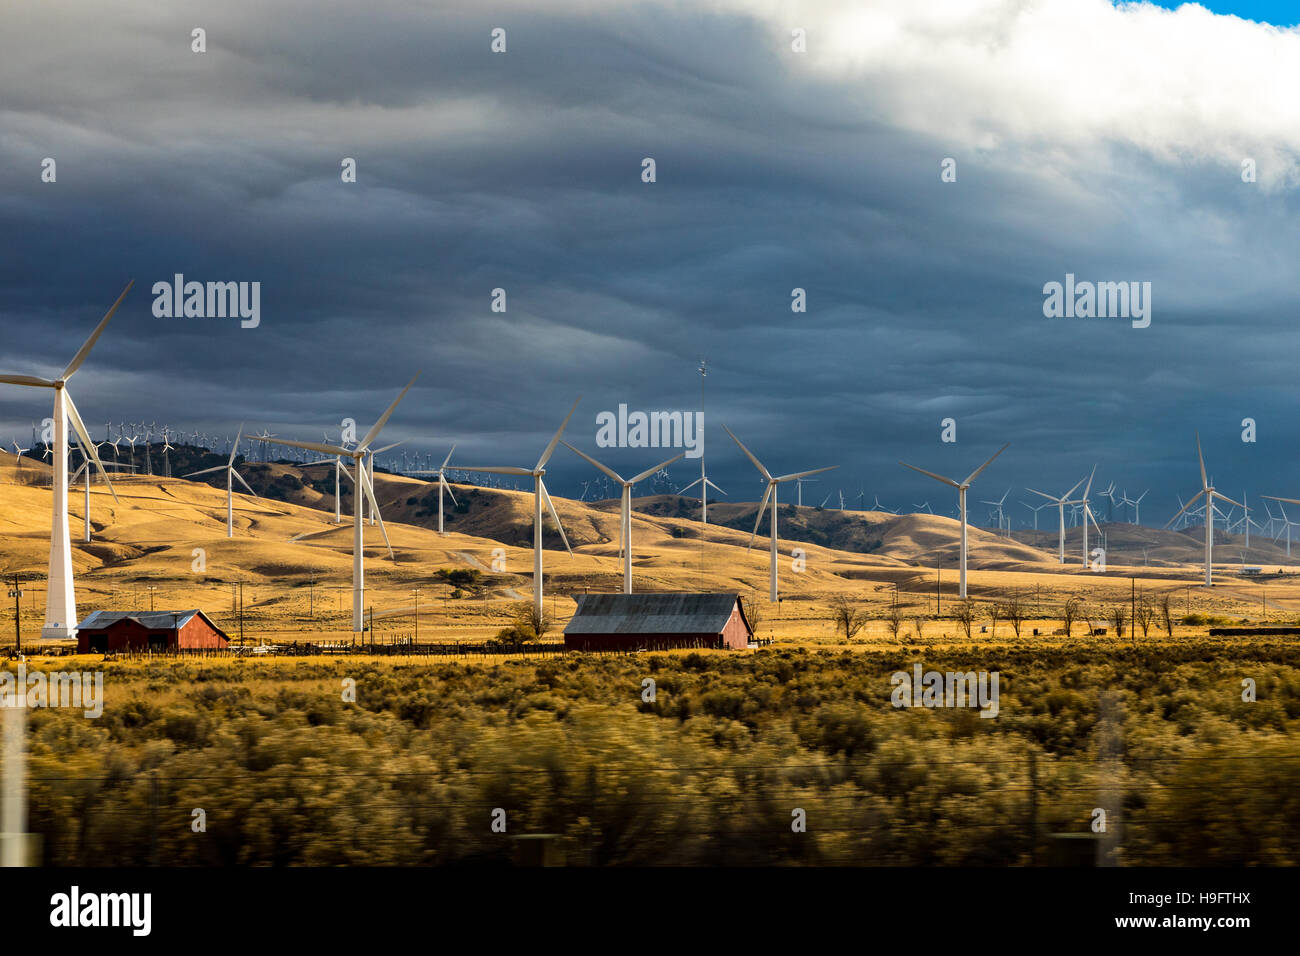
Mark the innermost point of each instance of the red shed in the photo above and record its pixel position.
(656, 622)
(107, 631)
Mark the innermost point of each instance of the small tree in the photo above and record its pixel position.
(895, 620)
(965, 615)
(1015, 611)
(1167, 613)
(530, 622)
(753, 610)
(995, 613)
(847, 616)
(918, 623)
(1070, 612)
(1117, 618)
(1146, 615)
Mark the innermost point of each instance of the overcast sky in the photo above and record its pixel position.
(1099, 141)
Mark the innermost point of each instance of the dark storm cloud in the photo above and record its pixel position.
(522, 172)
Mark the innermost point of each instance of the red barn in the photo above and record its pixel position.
(107, 631)
(629, 622)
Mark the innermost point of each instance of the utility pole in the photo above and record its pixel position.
(241, 613)
(16, 593)
(151, 588)
(1132, 613)
(938, 591)
(416, 592)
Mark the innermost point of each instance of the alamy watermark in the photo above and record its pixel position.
(624, 429)
(951, 689)
(75, 689)
(210, 300)
(1098, 300)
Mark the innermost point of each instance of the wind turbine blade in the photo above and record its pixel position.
(550, 506)
(446, 487)
(975, 474)
(1290, 501)
(709, 482)
(1183, 508)
(380, 451)
(748, 454)
(243, 482)
(1089, 488)
(946, 481)
(234, 449)
(370, 496)
(1205, 482)
(1072, 490)
(378, 426)
(448, 458)
(87, 446)
(603, 468)
(26, 380)
(650, 471)
(94, 336)
(758, 519)
(1046, 495)
(555, 440)
(805, 474)
(502, 470)
(205, 471)
(1093, 517)
(690, 486)
(311, 446)
(1222, 497)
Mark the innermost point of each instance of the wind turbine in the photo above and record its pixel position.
(625, 512)
(229, 469)
(1087, 515)
(1286, 521)
(358, 455)
(1035, 509)
(1060, 503)
(441, 472)
(19, 451)
(961, 487)
(540, 497)
(1207, 489)
(998, 505)
(798, 490)
(771, 493)
(60, 596)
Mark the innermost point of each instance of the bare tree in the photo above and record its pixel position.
(918, 622)
(1070, 612)
(847, 616)
(895, 620)
(995, 613)
(1146, 615)
(965, 615)
(531, 623)
(1016, 612)
(753, 610)
(1167, 613)
(1117, 618)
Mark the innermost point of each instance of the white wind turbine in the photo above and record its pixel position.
(441, 472)
(19, 451)
(625, 511)
(1286, 521)
(771, 493)
(1207, 489)
(60, 596)
(370, 475)
(1060, 503)
(358, 455)
(705, 483)
(540, 497)
(229, 469)
(1087, 515)
(998, 505)
(961, 487)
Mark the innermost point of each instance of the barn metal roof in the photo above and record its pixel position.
(155, 620)
(684, 613)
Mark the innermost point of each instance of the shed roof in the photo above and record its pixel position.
(153, 620)
(674, 613)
